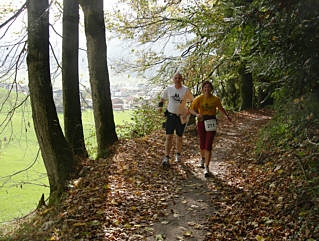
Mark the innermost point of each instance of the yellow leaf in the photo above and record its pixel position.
(259, 238)
(101, 211)
(159, 237)
(302, 214)
(79, 224)
(77, 181)
(127, 225)
(114, 202)
(94, 222)
(45, 211)
(273, 185)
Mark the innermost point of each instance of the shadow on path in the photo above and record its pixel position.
(187, 214)
(199, 199)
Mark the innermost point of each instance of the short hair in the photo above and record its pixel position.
(178, 73)
(207, 83)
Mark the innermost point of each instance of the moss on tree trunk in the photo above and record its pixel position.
(99, 76)
(246, 88)
(56, 152)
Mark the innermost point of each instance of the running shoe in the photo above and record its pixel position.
(206, 173)
(165, 163)
(202, 162)
(178, 158)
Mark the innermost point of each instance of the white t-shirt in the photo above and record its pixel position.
(177, 98)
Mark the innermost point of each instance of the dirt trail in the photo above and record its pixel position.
(187, 214)
(130, 197)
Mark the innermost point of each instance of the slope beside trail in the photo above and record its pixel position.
(130, 197)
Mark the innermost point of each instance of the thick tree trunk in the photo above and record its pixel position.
(99, 76)
(246, 88)
(70, 78)
(56, 153)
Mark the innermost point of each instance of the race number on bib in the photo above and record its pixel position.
(210, 125)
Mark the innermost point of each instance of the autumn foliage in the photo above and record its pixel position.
(128, 196)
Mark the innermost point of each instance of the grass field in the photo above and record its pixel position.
(23, 176)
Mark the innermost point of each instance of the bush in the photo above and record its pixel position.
(295, 123)
(145, 119)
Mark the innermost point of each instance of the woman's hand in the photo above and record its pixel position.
(199, 117)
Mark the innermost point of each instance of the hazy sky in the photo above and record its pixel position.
(116, 48)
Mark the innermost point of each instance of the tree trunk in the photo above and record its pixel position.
(70, 78)
(246, 88)
(99, 76)
(56, 153)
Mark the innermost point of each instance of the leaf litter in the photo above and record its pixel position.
(128, 196)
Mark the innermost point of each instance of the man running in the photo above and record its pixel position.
(177, 96)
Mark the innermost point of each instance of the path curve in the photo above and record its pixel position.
(188, 212)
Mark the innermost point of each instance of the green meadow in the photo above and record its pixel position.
(23, 176)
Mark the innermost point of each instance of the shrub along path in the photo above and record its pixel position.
(130, 197)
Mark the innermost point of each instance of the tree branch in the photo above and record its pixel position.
(24, 6)
(18, 172)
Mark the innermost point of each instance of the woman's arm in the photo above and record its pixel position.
(199, 116)
(224, 112)
(193, 112)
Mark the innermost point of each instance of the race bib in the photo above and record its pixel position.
(210, 125)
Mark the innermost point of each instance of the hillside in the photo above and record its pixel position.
(251, 196)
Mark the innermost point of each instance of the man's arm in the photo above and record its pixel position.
(188, 100)
(190, 96)
(164, 97)
(160, 105)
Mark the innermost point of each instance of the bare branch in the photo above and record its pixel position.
(14, 60)
(24, 6)
(32, 183)
(56, 32)
(18, 172)
(56, 59)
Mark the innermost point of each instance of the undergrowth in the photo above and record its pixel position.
(291, 138)
(145, 119)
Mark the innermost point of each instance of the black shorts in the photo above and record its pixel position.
(173, 122)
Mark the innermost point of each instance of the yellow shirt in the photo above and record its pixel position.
(206, 105)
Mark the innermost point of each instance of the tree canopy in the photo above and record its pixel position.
(277, 41)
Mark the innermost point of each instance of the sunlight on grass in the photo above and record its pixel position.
(20, 193)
